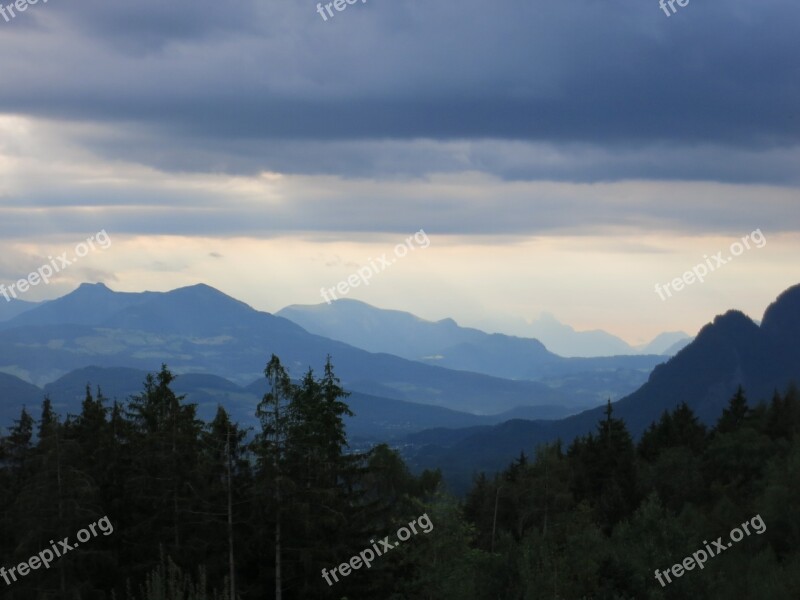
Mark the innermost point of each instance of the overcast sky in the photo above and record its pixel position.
(561, 156)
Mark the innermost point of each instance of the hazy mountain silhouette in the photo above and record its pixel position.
(198, 329)
(90, 304)
(730, 351)
(679, 345)
(381, 330)
(375, 419)
(445, 343)
(668, 343)
(11, 308)
(566, 341)
(14, 394)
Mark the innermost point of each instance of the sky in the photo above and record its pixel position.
(558, 156)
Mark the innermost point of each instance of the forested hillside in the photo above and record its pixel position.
(210, 510)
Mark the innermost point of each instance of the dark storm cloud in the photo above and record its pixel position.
(203, 85)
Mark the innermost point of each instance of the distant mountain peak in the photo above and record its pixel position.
(732, 326)
(97, 285)
(201, 294)
(201, 287)
(352, 301)
(564, 340)
(780, 318)
(666, 343)
(733, 318)
(448, 322)
(94, 288)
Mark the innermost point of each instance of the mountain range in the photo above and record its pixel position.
(477, 403)
(404, 334)
(566, 341)
(375, 418)
(730, 351)
(446, 344)
(198, 329)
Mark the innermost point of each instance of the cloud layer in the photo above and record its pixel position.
(563, 155)
(198, 86)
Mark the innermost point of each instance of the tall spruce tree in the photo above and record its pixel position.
(226, 481)
(275, 412)
(604, 470)
(164, 470)
(734, 416)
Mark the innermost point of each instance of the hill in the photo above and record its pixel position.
(444, 343)
(730, 351)
(198, 329)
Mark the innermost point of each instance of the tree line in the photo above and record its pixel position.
(215, 511)
(202, 510)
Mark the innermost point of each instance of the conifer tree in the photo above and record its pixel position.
(734, 416)
(164, 470)
(275, 412)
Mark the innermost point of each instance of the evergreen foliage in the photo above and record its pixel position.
(213, 511)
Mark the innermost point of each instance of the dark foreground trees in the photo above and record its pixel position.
(597, 521)
(201, 510)
(214, 511)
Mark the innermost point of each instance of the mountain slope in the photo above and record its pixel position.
(565, 341)
(446, 344)
(11, 308)
(201, 330)
(669, 343)
(730, 351)
(90, 304)
(14, 394)
(379, 330)
(375, 419)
